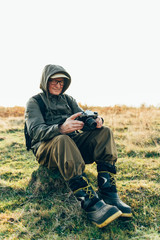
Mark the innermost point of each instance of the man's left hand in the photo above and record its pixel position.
(99, 122)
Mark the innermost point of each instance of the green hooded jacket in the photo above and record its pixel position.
(58, 108)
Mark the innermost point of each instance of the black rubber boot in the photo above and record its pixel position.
(108, 191)
(97, 210)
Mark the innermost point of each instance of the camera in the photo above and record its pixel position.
(88, 117)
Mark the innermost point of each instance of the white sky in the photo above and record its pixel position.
(110, 48)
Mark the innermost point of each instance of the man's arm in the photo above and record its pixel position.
(37, 128)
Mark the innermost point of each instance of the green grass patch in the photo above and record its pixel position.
(35, 205)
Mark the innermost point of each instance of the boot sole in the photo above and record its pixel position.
(126, 215)
(109, 220)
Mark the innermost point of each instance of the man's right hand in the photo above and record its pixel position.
(71, 125)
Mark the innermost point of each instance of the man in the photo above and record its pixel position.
(57, 142)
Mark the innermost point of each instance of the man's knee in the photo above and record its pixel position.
(64, 140)
(106, 129)
(104, 132)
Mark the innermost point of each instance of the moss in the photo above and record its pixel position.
(44, 182)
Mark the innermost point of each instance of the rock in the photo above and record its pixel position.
(44, 181)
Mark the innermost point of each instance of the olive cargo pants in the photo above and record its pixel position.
(71, 154)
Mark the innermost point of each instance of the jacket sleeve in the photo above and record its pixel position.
(36, 126)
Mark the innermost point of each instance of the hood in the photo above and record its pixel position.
(50, 70)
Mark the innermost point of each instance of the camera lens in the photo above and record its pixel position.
(91, 123)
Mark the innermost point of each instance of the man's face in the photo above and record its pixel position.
(55, 86)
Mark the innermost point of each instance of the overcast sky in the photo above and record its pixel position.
(110, 48)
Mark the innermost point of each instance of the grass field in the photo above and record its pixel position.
(34, 205)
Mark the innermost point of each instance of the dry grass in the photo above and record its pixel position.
(11, 111)
(11, 123)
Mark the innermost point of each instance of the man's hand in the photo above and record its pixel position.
(71, 125)
(99, 122)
